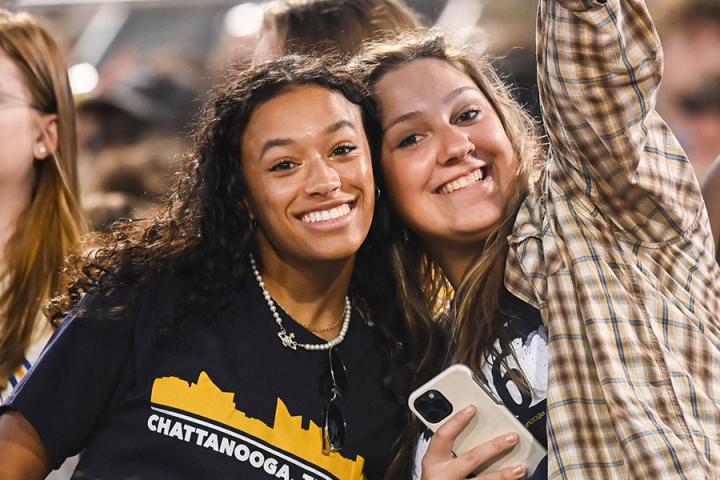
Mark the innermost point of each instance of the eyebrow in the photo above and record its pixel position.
(401, 118)
(340, 124)
(450, 96)
(456, 93)
(282, 142)
(275, 142)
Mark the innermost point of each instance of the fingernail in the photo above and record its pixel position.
(469, 410)
(518, 471)
(511, 439)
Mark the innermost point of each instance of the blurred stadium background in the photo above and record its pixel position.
(139, 71)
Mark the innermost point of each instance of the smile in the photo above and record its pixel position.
(463, 182)
(327, 215)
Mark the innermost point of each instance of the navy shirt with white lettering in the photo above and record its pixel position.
(225, 399)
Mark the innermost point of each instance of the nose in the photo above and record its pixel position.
(455, 145)
(322, 178)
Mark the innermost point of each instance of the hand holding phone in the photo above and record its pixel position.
(440, 463)
(452, 391)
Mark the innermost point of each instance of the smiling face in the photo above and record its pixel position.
(448, 164)
(309, 174)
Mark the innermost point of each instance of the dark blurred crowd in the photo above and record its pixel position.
(133, 123)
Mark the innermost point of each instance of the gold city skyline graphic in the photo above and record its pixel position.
(206, 400)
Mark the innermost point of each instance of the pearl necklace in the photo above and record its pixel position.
(288, 339)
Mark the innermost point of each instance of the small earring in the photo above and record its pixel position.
(377, 192)
(41, 150)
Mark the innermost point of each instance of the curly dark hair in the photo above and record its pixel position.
(203, 233)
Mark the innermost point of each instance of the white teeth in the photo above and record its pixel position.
(324, 215)
(462, 182)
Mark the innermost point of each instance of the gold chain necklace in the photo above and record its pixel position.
(321, 330)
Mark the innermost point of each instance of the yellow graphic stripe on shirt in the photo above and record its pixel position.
(205, 399)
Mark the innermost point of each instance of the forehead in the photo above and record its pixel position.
(418, 83)
(301, 111)
(10, 76)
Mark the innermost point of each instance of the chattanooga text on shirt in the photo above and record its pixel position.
(203, 415)
(223, 399)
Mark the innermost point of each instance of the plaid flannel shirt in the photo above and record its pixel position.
(613, 245)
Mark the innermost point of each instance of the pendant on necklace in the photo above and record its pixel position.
(287, 340)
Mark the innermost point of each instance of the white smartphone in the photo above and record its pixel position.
(454, 389)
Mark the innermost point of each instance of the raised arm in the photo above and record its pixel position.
(599, 66)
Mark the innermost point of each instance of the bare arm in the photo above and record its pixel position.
(22, 454)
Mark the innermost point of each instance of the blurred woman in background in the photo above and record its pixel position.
(311, 26)
(40, 214)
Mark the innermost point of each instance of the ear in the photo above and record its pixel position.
(250, 208)
(46, 136)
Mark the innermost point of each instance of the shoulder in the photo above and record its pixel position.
(123, 304)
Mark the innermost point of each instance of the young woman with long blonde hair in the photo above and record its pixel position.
(40, 214)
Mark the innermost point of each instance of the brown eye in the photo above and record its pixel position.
(409, 141)
(468, 115)
(283, 165)
(344, 149)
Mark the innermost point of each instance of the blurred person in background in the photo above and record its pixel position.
(40, 213)
(128, 180)
(131, 129)
(340, 26)
(688, 96)
(704, 104)
(711, 194)
(140, 98)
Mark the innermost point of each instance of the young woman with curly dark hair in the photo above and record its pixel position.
(176, 360)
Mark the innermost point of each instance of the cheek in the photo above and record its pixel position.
(357, 175)
(510, 174)
(16, 148)
(363, 171)
(269, 200)
(402, 187)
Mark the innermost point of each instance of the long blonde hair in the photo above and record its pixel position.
(53, 221)
(476, 319)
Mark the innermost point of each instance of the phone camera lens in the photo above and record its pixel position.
(433, 406)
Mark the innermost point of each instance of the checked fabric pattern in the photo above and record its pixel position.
(613, 245)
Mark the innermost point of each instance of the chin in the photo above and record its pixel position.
(326, 256)
(321, 252)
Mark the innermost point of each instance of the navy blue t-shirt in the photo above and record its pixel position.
(223, 400)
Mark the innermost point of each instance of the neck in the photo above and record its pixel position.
(14, 200)
(454, 260)
(311, 292)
